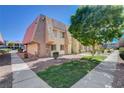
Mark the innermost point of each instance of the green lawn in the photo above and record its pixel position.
(67, 74)
(99, 58)
(121, 49)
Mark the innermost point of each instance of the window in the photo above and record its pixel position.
(53, 47)
(62, 34)
(61, 47)
(55, 33)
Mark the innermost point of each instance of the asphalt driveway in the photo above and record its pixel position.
(5, 71)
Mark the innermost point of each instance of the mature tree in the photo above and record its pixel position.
(94, 25)
(11, 44)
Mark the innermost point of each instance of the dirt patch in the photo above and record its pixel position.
(38, 64)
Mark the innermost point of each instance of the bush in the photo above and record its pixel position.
(121, 52)
(109, 51)
(121, 55)
(3, 52)
(55, 55)
(101, 50)
(20, 50)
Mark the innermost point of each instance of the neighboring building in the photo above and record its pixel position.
(121, 42)
(15, 45)
(110, 45)
(1, 39)
(46, 35)
(2, 42)
(74, 46)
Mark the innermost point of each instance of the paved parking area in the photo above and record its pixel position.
(5, 71)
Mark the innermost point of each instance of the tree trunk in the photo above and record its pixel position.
(93, 50)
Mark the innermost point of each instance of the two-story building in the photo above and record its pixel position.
(46, 35)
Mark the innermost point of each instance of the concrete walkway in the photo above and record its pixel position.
(23, 77)
(102, 76)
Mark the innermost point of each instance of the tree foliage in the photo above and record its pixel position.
(93, 25)
(11, 44)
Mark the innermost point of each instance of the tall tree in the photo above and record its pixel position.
(94, 25)
(11, 44)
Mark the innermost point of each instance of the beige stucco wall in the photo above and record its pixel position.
(40, 36)
(58, 42)
(32, 48)
(75, 46)
(61, 52)
(53, 37)
(69, 43)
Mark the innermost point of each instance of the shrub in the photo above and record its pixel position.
(2, 51)
(122, 55)
(20, 50)
(121, 52)
(55, 55)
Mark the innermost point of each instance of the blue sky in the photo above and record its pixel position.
(14, 20)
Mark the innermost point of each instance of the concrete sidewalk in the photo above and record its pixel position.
(102, 76)
(23, 77)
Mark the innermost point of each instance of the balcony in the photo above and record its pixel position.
(55, 36)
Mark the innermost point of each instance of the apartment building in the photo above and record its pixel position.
(46, 35)
(14, 45)
(121, 42)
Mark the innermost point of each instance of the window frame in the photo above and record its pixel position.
(53, 47)
(62, 47)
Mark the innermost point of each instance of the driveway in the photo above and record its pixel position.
(5, 71)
